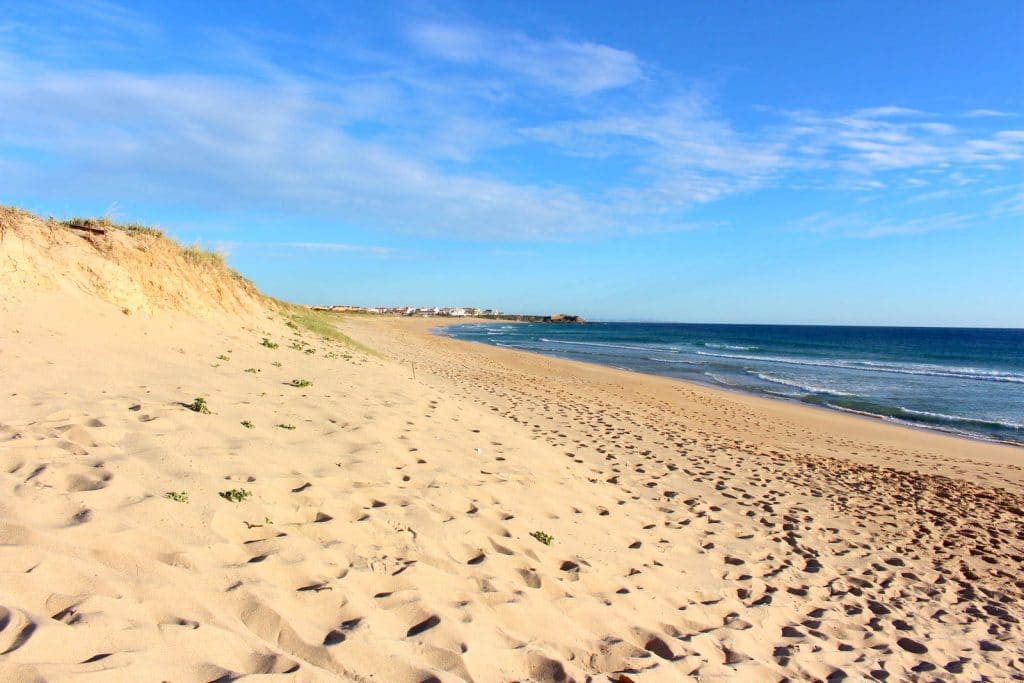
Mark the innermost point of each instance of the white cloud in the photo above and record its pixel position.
(447, 148)
(1012, 205)
(932, 196)
(886, 112)
(456, 43)
(987, 113)
(681, 153)
(228, 142)
(892, 139)
(578, 68)
(865, 227)
(64, 29)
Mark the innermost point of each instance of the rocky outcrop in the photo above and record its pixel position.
(553, 318)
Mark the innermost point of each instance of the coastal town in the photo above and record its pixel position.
(451, 312)
(426, 312)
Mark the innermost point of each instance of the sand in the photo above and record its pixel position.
(697, 534)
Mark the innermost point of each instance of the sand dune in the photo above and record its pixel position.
(386, 534)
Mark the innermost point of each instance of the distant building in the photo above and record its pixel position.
(449, 311)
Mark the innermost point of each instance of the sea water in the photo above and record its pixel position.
(965, 381)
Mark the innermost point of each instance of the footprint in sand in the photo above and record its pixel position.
(423, 626)
(530, 577)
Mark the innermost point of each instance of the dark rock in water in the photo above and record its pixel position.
(563, 318)
(553, 318)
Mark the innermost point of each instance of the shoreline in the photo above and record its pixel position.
(883, 419)
(819, 423)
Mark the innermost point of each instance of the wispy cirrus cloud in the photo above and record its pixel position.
(1012, 205)
(678, 153)
(574, 67)
(987, 114)
(875, 142)
(72, 30)
(223, 141)
(447, 148)
(865, 227)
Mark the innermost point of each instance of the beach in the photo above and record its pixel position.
(408, 507)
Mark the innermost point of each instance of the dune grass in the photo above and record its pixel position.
(199, 256)
(323, 324)
(105, 222)
(193, 253)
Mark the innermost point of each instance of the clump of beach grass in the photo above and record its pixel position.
(106, 223)
(323, 324)
(195, 254)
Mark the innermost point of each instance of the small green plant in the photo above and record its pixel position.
(285, 426)
(177, 496)
(276, 363)
(248, 424)
(543, 537)
(310, 351)
(235, 495)
(199, 406)
(295, 345)
(252, 370)
(292, 325)
(222, 357)
(269, 344)
(301, 383)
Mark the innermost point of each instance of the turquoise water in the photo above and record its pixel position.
(965, 381)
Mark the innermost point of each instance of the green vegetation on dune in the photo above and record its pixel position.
(235, 495)
(543, 537)
(192, 253)
(134, 228)
(323, 324)
(199, 405)
(196, 254)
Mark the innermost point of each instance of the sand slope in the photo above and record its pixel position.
(697, 536)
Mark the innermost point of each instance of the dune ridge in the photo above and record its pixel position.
(389, 504)
(139, 270)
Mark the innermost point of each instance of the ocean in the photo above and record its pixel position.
(968, 382)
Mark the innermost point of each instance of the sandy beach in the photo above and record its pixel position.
(354, 515)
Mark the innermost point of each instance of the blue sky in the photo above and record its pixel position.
(800, 162)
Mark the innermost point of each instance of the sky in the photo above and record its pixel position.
(727, 161)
